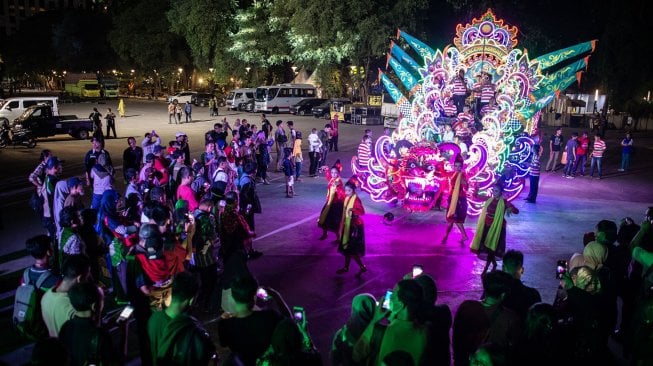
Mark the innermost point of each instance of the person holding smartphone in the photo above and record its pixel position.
(403, 332)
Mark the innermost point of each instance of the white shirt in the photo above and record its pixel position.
(314, 143)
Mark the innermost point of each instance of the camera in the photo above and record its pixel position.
(561, 268)
(418, 269)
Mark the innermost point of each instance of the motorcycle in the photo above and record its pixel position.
(16, 137)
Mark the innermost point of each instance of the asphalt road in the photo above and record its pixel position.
(302, 267)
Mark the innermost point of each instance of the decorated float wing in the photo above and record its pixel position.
(412, 165)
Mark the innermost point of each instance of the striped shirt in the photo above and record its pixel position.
(599, 148)
(487, 92)
(459, 86)
(363, 154)
(535, 166)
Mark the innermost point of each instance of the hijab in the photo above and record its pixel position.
(595, 255)
(362, 311)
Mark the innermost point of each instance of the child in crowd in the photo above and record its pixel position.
(288, 171)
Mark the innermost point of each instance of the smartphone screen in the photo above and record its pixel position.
(561, 268)
(298, 314)
(386, 300)
(417, 270)
(262, 294)
(126, 312)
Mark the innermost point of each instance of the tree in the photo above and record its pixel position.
(329, 33)
(260, 43)
(142, 37)
(205, 25)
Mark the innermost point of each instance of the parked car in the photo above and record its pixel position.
(238, 96)
(40, 120)
(304, 106)
(323, 110)
(182, 97)
(11, 108)
(201, 99)
(247, 106)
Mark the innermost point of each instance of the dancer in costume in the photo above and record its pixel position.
(490, 235)
(332, 211)
(352, 236)
(457, 209)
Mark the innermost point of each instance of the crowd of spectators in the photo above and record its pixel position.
(178, 240)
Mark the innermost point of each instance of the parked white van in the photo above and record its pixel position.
(13, 107)
(238, 96)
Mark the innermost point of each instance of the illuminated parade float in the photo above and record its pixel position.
(411, 166)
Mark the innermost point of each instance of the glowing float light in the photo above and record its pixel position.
(412, 166)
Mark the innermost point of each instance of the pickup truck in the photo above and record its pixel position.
(40, 120)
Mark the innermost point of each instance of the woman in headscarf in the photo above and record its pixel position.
(352, 230)
(332, 210)
(490, 235)
(342, 347)
(117, 234)
(290, 346)
(234, 236)
(595, 255)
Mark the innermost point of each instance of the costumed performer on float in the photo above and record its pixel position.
(490, 235)
(457, 208)
(352, 230)
(331, 213)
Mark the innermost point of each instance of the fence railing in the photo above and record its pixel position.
(585, 120)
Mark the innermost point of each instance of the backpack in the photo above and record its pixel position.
(27, 307)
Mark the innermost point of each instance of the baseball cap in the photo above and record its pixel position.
(178, 134)
(74, 182)
(149, 157)
(53, 162)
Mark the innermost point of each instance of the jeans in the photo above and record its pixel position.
(596, 162)
(172, 118)
(312, 169)
(625, 161)
(333, 144)
(534, 185)
(580, 162)
(553, 160)
(569, 167)
(325, 151)
(298, 169)
(189, 117)
(95, 201)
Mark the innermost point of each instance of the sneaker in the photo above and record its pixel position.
(621, 170)
(570, 177)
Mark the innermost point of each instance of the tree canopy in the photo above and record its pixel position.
(259, 41)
